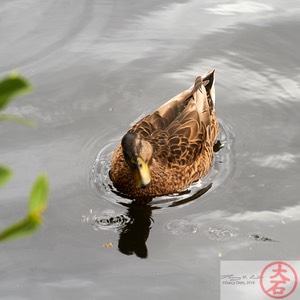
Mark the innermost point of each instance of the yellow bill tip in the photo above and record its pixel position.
(142, 173)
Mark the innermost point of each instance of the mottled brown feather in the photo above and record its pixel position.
(182, 133)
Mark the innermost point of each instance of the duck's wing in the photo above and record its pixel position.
(169, 111)
(190, 132)
(163, 116)
(179, 128)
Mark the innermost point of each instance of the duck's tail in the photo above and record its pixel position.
(209, 83)
(208, 80)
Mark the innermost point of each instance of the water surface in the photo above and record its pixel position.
(97, 66)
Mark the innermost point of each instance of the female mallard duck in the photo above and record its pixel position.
(166, 151)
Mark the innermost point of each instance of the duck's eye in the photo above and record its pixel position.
(140, 165)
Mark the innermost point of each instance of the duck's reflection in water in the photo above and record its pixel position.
(134, 234)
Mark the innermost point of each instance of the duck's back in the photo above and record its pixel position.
(183, 128)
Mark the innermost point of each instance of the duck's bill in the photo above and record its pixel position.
(142, 173)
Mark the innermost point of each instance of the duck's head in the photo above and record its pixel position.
(138, 155)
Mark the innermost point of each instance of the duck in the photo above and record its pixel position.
(171, 148)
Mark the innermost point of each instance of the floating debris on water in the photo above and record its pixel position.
(260, 238)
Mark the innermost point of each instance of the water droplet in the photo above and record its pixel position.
(181, 227)
(221, 232)
(107, 220)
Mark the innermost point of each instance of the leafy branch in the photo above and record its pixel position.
(36, 206)
(10, 87)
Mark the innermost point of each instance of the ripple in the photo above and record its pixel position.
(221, 170)
(221, 232)
(42, 29)
(181, 226)
(100, 174)
(106, 220)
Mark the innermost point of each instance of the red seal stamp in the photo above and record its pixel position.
(278, 280)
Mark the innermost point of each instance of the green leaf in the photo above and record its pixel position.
(5, 175)
(12, 85)
(20, 120)
(39, 195)
(37, 204)
(27, 226)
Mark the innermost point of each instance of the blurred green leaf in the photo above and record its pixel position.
(37, 204)
(5, 175)
(20, 120)
(12, 85)
(39, 195)
(27, 226)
